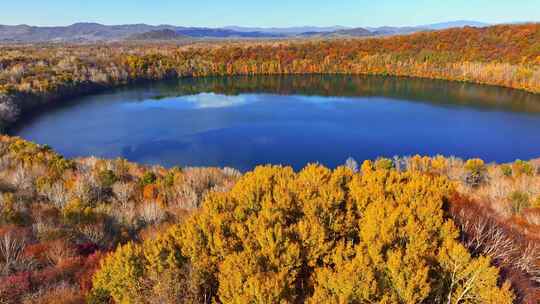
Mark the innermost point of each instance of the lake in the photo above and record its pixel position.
(242, 122)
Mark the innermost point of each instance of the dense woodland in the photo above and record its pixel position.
(403, 230)
(507, 55)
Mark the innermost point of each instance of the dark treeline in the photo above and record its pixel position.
(416, 89)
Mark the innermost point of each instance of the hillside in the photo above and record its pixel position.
(506, 56)
(287, 30)
(168, 228)
(355, 32)
(165, 34)
(404, 230)
(92, 32)
(454, 24)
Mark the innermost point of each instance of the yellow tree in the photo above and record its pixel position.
(317, 236)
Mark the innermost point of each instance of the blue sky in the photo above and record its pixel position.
(214, 13)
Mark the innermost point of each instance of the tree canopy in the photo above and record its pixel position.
(316, 236)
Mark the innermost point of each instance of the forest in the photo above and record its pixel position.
(34, 75)
(410, 229)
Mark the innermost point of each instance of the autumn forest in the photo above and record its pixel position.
(408, 229)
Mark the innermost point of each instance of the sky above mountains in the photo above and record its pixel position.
(219, 13)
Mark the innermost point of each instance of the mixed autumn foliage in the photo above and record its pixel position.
(59, 217)
(404, 230)
(505, 55)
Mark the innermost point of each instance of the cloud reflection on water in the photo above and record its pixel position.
(198, 101)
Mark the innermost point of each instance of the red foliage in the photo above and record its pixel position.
(532, 215)
(37, 252)
(13, 287)
(60, 250)
(49, 275)
(87, 249)
(91, 265)
(15, 231)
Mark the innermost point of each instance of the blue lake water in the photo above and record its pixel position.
(292, 120)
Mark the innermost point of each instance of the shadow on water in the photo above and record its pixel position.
(436, 92)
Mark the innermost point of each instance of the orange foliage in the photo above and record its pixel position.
(150, 192)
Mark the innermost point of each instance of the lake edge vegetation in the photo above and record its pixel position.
(503, 55)
(62, 219)
(421, 229)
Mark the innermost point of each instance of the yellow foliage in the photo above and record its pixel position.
(439, 164)
(155, 268)
(384, 163)
(475, 165)
(536, 203)
(520, 168)
(163, 252)
(120, 274)
(320, 236)
(351, 279)
(76, 211)
(383, 227)
(419, 163)
(471, 280)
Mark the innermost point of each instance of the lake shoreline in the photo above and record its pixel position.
(202, 120)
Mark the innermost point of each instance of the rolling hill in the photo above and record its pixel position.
(92, 32)
(165, 34)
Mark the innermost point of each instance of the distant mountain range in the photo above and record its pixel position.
(165, 34)
(459, 23)
(91, 32)
(288, 30)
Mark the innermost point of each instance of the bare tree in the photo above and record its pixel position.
(11, 254)
(483, 236)
(232, 172)
(94, 234)
(186, 196)
(151, 213)
(528, 260)
(57, 194)
(352, 164)
(4, 161)
(86, 188)
(21, 179)
(123, 192)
